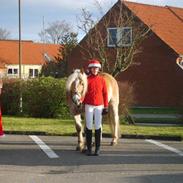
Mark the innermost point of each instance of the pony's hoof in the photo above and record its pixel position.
(83, 151)
(80, 149)
(77, 148)
(113, 143)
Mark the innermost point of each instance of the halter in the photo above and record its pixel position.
(75, 91)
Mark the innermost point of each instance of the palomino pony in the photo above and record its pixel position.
(76, 88)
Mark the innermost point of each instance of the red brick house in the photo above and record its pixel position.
(157, 78)
(34, 56)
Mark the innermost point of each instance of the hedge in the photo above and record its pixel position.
(42, 97)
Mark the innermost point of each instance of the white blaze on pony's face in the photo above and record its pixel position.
(77, 86)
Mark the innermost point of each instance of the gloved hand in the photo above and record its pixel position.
(105, 111)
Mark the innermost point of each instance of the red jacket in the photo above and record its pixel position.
(97, 91)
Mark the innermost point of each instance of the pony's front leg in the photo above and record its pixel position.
(79, 129)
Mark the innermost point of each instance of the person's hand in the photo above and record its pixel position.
(105, 111)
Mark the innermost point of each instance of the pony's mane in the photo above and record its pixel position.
(77, 73)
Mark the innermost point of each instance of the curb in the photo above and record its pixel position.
(127, 136)
(154, 116)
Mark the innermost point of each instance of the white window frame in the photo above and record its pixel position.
(33, 74)
(119, 37)
(13, 71)
(108, 36)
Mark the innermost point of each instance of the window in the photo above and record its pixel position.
(125, 36)
(30, 72)
(112, 37)
(33, 73)
(121, 37)
(15, 71)
(36, 72)
(12, 71)
(180, 61)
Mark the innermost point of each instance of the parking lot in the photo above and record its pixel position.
(49, 159)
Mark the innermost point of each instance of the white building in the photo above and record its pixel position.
(34, 56)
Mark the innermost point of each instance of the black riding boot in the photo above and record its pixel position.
(97, 141)
(89, 142)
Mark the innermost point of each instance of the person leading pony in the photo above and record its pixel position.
(96, 104)
(76, 89)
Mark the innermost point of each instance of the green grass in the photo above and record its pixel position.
(48, 126)
(67, 127)
(153, 131)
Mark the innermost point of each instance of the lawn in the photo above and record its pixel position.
(67, 127)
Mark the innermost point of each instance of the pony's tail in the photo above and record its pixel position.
(111, 121)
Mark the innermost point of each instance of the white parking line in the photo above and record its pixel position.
(180, 153)
(50, 153)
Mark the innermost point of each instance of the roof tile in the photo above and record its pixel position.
(166, 22)
(32, 53)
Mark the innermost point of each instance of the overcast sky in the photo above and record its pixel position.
(33, 12)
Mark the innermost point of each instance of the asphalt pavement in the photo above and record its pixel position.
(53, 159)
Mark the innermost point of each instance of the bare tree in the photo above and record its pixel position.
(58, 68)
(55, 32)
(4, 34)
(130, 33)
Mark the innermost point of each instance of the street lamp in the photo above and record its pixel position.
(20, 53)
(20, 48)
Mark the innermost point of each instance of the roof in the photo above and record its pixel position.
(166, 22)
(32, 53)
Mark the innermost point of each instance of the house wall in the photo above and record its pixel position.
(24, 69)
(155, 75)
(2, 72)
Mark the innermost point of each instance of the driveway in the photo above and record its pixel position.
(51, 159)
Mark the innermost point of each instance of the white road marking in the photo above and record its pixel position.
(180, 153)
(50, 153)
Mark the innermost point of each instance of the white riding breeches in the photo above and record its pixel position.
(93, 114)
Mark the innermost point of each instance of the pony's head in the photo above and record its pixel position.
(76, 86)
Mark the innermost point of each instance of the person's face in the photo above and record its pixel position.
(94, 70)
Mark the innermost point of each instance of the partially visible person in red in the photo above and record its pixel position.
(1, 125)
(96, 104)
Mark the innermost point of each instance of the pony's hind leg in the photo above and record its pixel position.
(115, 124)
(79, 129)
